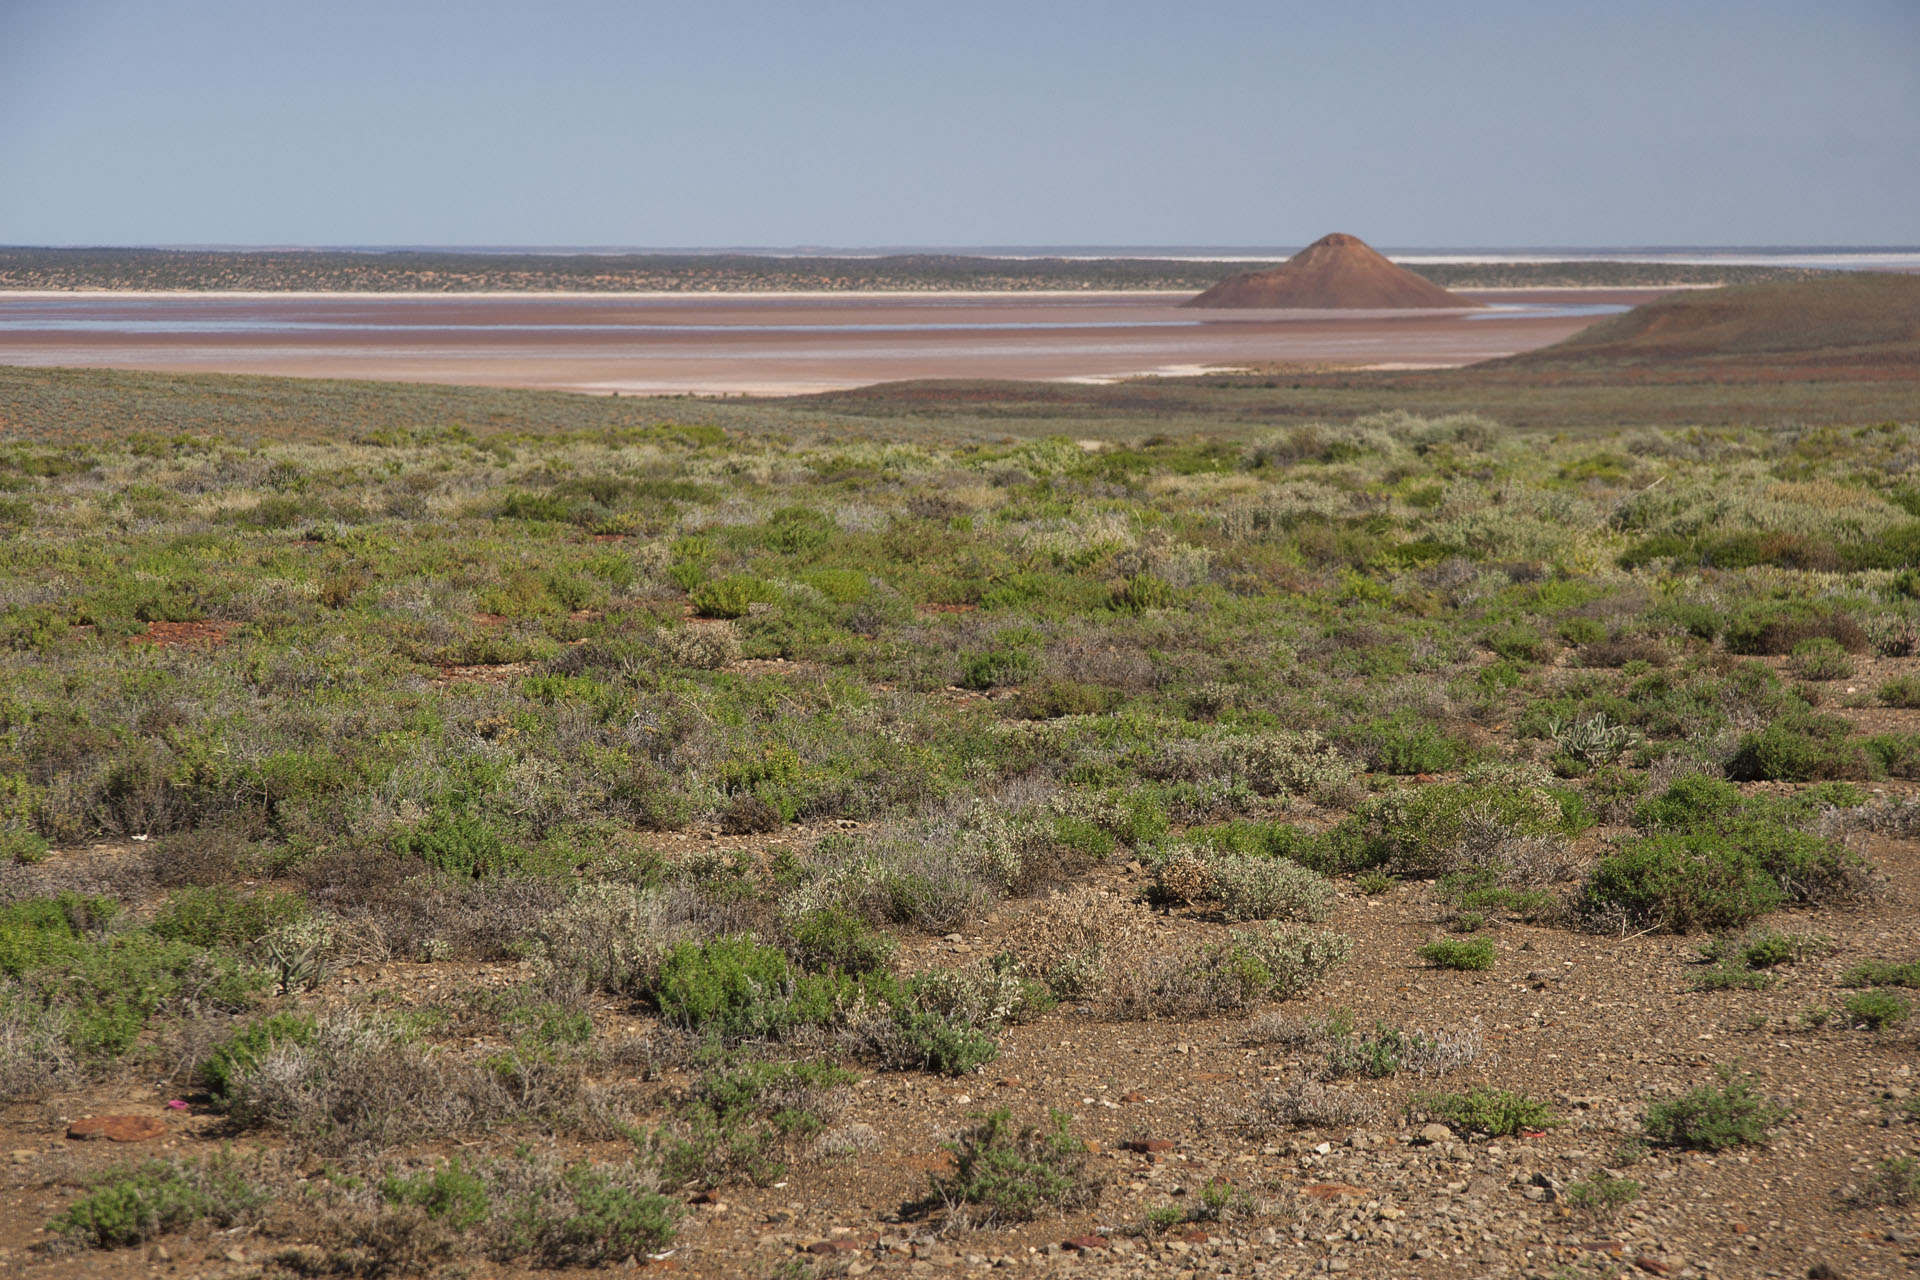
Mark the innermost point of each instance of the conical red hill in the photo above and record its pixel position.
(1336, 271)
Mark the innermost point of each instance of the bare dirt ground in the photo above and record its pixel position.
(1599, 1026)
(763, 345)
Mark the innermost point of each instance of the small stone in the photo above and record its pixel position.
(1147, 1146)
(1333, 1191)
(1434, 1133)
(117, 1129)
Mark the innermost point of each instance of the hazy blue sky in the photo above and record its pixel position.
(890, 122)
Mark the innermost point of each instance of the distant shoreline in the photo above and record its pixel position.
(744, 295)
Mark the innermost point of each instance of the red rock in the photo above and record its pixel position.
(1147, 1146)
(1334, 271)
(1334, 1191)
(117, 1128)
(1652, 1265)
(1084, 1244)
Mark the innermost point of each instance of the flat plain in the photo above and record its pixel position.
(1457, 824)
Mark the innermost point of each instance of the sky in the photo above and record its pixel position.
(861, 123)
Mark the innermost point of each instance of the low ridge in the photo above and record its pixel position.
(1851, 321)
(1335, 272)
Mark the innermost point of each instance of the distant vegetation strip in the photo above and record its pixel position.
(412, 272)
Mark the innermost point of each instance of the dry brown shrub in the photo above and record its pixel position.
(1075, 941)
(1303, 1104)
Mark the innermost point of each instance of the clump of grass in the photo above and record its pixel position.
(1715, 1117)
(1470, 954)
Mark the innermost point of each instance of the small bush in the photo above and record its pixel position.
(1882, 973)
(1270, 889)
(1473, 954)
(730, 597)
(1714, 1118)
(1895, 1182)
(996, 667)
(1303, 1104)
(452, 1194)
(130, 1206)
(1901, 691)
(578, 1215)
(1006, 1173)
(1821, 658)
(1876, 1009)
(218, 917)
(1496, 1112)
(833, 938)
(1602, 1197)
(242, 1051)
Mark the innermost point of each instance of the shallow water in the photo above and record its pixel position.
(768, 344)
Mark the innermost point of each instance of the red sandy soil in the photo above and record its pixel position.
(652, 345)
(1336, 271)
(175, 634)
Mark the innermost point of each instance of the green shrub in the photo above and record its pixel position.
(18, 845)
(1895, 1181)
(1821, 658)
(243, 1050)
(1498, 1113)
(1519, 643)
(743, 1122)
(1876, 1009)
(1882, 973)
(1801, 749)
(1404, 745)
(1007, 1173)
(1901, 691)
(1141, 593)
(460, 844)
(733, 988)
(216, 916)
(581, 1216)
(1473, 954)
(1717, 860)
(1602, 1196)
(729, 597)
(1714, 1118)
(836, 938)
(944, 1045)
(41, 932)
(995, 667)
(131, 1205)
(452, 1194)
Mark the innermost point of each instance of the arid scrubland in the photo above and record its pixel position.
(528, 848)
